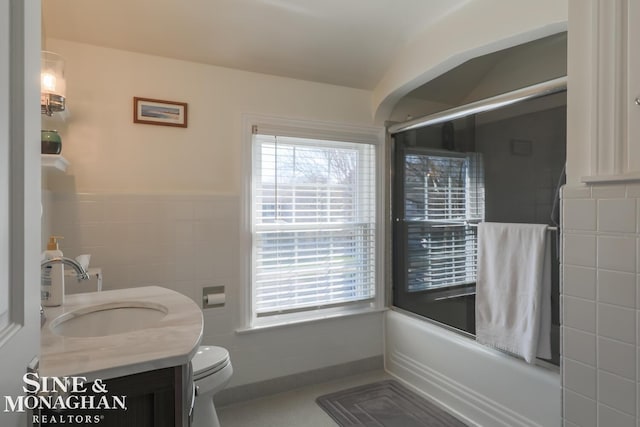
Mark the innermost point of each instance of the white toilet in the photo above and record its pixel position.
(211, 373)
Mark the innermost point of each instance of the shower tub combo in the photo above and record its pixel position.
(452, 170)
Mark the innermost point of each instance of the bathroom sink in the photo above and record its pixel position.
(108, 319)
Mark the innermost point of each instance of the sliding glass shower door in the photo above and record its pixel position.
(440, 202)
(500, 166)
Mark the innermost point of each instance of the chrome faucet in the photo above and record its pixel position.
(81, 274)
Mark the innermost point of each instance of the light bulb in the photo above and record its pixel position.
(48, 82)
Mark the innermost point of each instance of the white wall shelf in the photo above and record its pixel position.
(54, 163)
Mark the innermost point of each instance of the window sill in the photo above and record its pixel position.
(319, 317)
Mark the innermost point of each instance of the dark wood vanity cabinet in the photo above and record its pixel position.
(160, 398)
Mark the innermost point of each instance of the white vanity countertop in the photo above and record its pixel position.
(171, 342)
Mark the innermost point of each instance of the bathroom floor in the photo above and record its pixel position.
(295, 408)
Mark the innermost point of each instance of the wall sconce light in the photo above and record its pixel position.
(53, 86)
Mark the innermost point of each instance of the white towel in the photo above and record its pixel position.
(513, 289)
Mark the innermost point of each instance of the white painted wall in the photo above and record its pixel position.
(108, 152)
(480, 27)
(524, 67)
(160, 205)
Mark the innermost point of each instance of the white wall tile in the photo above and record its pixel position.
(116, 211)
(580, 346)
(187, 288)
(617, 288)
(143, 234)
(579, 282)
(617, 392)
(115, 278)
(205, 272)
(183, 231)
(182, 252)
(225, 208)
(184, 271)
(580, 378)
(616, 253)
(579, 214)
(608, 417)
(204, 231)
(580, 250)
(580, 410)
(617, 323)
(117, 235)
(146, 211)
(617, 291)
(579, 314)
(148, 274)
(617, 215)
(204, 210)
(633, 191)
(617, 357)
(57, 211)
(582, 192)
(88, 212)
(103, 257)
(141, 239)
(140, 255)
(177, 209)
(92, 232)
(608, 191)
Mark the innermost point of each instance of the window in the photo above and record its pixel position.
(443, 202)
(313, 223)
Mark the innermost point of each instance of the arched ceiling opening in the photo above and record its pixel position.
(478, 28)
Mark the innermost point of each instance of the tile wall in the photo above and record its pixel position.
(186, 242)
(601, 300)
(520, 185)
(181, 242)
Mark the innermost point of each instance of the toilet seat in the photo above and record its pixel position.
(208, 360)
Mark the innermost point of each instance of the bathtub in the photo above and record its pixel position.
(480, 385)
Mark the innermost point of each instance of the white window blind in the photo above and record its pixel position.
(313, 224)
(444, 199)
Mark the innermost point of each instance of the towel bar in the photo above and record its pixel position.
(549, 227)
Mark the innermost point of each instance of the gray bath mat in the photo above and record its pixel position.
(384, 404)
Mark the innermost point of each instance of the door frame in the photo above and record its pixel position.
(20, 340)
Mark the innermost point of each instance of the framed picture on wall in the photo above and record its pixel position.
(159, 112)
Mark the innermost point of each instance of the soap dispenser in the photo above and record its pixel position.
(52, 289)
